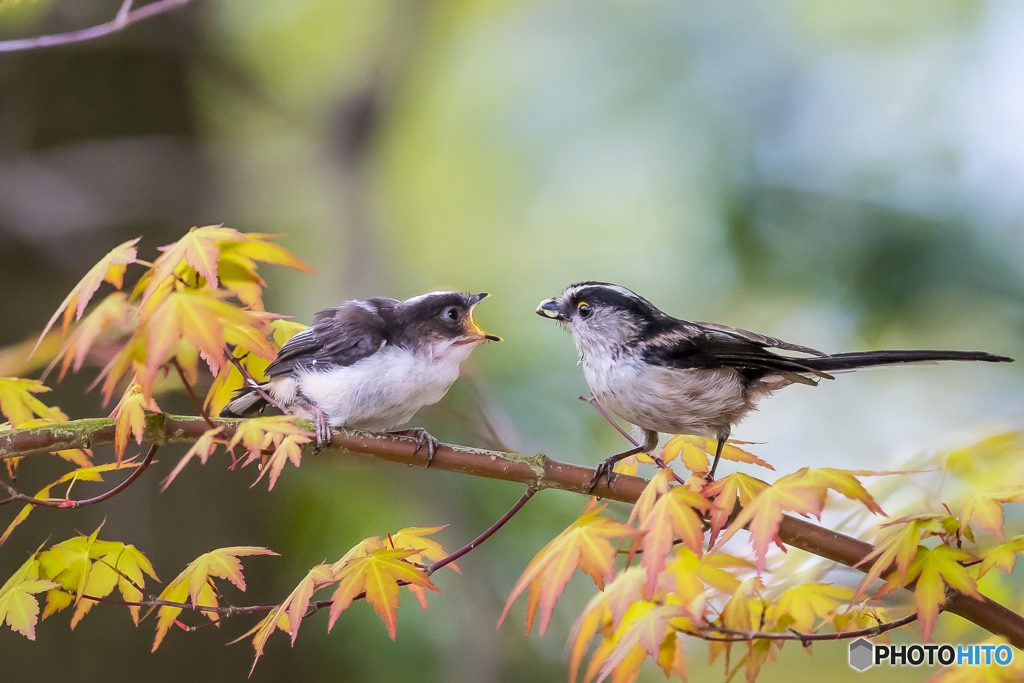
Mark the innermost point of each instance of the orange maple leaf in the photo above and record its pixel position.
(110, 268)
(672, 515)
(130, 418)
(802, 492)
(585, 545)
(724, 494)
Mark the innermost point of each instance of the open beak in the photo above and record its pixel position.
(549, 309)
(471, 324)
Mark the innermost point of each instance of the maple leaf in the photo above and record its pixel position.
(802, 492)
(68, 564)
(585, 545)
(260, 433)
(1003, 556)
(983, 510)
(112, 562)
(898, 547)
(127, 565)
(642, 631)
(113, 312)
(195, 583)
(203, 319)
(377, 573)
(18, 404)
(17, 606)
(674, 515)
(695, 453)
(934, 569)
(198, 249)
(290, 613)
(91, 473)
(130, 417)
(692, 573)
(724, 494)
(238, 265)
(288, 449)
(202, 448)
(799, 606)
(110, 268)
(427, 550)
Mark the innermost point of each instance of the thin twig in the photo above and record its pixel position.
(484, 536)
(125, 17)
(734, 636)
(188, 387)
(17, 495)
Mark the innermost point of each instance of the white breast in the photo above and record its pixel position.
(384, 390)
(674, 401)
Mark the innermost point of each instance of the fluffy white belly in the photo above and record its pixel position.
(377, 393)
(674, 401)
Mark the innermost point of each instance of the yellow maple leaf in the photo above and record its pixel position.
(899, 547)
(412, 538)
(195, 583)
(984, 510)
(798, 607)
(695, 453)
(935, 568)
(378, 574)
(585, 545)
(18, 404)
(17, 606)
(110, 268)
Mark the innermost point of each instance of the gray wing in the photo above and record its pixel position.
(760, 339)
(338, 337)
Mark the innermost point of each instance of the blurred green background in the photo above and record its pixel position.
(841, 175)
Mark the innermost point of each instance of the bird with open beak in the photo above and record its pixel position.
(371, 364)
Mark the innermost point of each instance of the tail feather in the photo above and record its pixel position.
(866, 359)
(245, 404)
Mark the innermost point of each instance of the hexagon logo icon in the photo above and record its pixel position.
(862, 654)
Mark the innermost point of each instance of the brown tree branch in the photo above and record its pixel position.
(537, 471)
(125, 17)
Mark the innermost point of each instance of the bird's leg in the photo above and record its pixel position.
(648, 442)
(607, 468)
(423, 438)
(323, 427)
(722, 438)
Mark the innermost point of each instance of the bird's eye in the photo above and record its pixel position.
(451, 314)
(585, 310)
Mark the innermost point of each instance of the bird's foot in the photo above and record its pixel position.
(323, 429)
(605, 469)
(423, 438)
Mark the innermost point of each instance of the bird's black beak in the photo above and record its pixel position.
(549, 309)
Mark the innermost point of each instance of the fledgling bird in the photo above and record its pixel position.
(668, 375)
(370, 364)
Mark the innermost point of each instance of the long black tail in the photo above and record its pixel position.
(245, 404)
(867, 359)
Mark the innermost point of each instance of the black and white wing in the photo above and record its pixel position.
(689, 345)
(338, 337)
